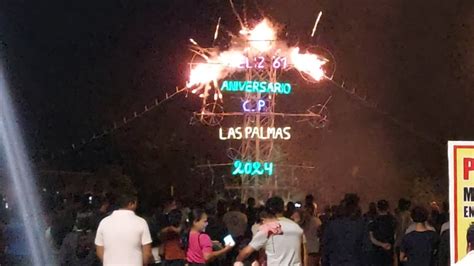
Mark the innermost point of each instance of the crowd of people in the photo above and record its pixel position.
(92, 230)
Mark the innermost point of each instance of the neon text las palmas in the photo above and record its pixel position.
(256, 87)
(255, 133)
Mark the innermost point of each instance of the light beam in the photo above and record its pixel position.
(20, 173)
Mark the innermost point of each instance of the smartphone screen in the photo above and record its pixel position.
(229, 241)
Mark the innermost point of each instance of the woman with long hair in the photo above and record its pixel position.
(199, 246)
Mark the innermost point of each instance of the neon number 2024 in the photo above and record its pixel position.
(252, 168)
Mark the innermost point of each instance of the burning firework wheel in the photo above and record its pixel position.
(211, 114)
(321, 118)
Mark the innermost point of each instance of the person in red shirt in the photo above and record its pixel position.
(174, 254)
(199, 250)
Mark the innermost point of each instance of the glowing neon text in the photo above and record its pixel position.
(252, 168)
(256, 87)
(260, 62)
(253, 106)
(255, 133)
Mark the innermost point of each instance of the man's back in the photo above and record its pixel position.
(122, 234)
(343, 241)
(284, 249)
(383, 228)
(419, 247)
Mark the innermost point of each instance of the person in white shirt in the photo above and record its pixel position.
(282, 240)
(123, 238)
(468, 260)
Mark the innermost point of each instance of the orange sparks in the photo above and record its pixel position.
(262, 37)
(308, 63)
(260, 40)
(232, 58)
(203, 74)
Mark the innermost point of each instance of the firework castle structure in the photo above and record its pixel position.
(249, 70)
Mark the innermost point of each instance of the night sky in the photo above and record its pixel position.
(77, 66)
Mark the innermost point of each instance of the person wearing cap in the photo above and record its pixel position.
(469, 258)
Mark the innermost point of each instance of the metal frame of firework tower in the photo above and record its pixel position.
(283, 183)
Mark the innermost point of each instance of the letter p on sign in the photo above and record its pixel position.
(468, 167)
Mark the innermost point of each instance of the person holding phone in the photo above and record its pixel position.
(229, 241)
(199, 249)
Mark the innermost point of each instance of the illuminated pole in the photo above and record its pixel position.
(258, 150)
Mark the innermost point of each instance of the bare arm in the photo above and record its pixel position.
(305, 255)
(244, 253)
(208, 257)
(100, 252)
(403, 256)
(147, 256)
(378, 243)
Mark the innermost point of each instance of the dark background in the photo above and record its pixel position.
(75, 67)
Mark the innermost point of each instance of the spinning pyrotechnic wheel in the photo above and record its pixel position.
(211, 114)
